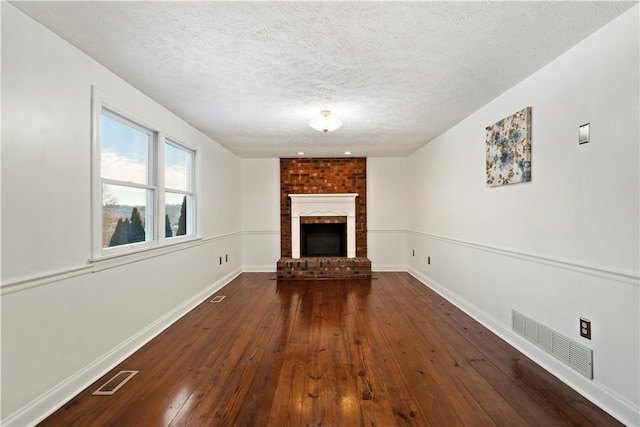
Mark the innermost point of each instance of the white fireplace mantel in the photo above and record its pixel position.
(323, 205)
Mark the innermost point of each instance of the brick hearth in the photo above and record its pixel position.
(324, 268)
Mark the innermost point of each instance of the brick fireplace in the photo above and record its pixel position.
(323, 191)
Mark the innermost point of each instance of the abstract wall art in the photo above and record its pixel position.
(509, 149)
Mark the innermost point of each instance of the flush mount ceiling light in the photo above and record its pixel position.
(324, 123)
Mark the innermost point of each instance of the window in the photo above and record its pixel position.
(128, 191)
(143, 176)
(178, 195)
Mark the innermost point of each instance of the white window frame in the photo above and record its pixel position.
(191, 213)
(102, 104)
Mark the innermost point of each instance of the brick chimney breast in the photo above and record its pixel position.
(323, 176)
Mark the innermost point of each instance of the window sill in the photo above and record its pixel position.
(105, 262)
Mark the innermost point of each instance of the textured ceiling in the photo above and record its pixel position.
(252, 74)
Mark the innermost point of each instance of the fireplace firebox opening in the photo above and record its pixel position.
(328, 240)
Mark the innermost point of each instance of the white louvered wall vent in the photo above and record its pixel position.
(573, 354)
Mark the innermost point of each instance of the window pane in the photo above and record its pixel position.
(127, 215)
(177, 168)
(178, 209)
(124, 152)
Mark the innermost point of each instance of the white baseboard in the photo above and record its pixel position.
(259, 268)
(47, 403)
(388, 267)
(618, 407)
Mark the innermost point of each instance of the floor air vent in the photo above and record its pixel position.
(114, 384)
(218, 298)
(573, 354)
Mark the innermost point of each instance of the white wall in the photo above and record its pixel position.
(387, 199)
(65, 321)
(564, 245)
(260, 214)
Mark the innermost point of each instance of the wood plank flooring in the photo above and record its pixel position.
(380, 352)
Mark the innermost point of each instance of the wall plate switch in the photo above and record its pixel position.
(583, 134)
(585, 328)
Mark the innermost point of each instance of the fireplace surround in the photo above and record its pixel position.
(323, 205)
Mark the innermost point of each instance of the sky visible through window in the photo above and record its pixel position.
(176, 170)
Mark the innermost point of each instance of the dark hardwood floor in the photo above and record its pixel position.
(380, 352)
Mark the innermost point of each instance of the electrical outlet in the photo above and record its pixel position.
(429, 260)
(585, 328)
(413, 252)
(226, 258)
(220, 260)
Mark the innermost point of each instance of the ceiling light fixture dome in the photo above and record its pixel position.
(324, 123)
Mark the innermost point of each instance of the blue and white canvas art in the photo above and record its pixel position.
(509, 149)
